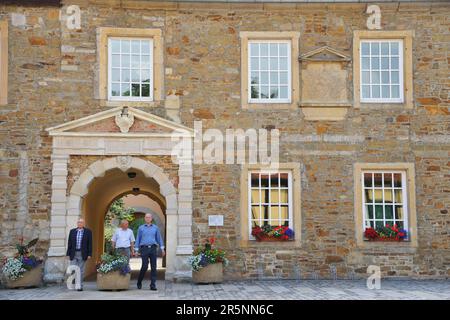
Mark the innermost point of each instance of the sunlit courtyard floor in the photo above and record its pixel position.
(243, 290)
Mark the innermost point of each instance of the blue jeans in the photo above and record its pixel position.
(146, 254)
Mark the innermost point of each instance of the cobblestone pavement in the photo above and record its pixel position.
(260, 290)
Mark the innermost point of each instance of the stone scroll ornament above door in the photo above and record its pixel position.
(324, 83)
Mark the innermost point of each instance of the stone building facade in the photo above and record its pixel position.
(62, 147)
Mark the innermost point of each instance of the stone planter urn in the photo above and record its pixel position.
(113, 281)
(212, 273)
(32, 278)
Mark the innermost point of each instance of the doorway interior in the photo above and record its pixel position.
(133, 207)
(136, 194)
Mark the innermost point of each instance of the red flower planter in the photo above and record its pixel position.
(386, 240)
(270, 239)
(285, 233)
(379, 234)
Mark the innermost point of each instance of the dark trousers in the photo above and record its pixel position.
(146, 254)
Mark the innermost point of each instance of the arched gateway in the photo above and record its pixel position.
(98, 151)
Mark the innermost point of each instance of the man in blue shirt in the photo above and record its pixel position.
(147, 240)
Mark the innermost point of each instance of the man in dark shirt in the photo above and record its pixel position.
(79, 247)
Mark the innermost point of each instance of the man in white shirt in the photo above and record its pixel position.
(123, 240)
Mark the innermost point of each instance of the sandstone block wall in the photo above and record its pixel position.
(53, 76)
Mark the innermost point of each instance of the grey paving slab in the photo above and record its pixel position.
(245, 290)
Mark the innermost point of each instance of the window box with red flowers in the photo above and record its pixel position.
(271, 233)
(386, 233)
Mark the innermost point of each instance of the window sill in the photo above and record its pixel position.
(270, 244)
(367, 244)
(383, 105)
(270, 106)
(122, 103)
(8, 105)
(399, 102)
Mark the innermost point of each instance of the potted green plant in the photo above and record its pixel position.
(113, 272)
(23, 270)
(207, 263)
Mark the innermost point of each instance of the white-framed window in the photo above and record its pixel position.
(130, 69)
(381, 70)
(269, 71)
(384, 199)
(270, 199)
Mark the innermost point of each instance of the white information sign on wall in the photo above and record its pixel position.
(215, 220)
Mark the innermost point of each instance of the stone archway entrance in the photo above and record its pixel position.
(118, 152)
(109, 185)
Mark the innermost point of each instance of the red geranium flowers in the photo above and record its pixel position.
(387, 232)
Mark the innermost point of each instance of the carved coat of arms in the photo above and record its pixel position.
(124, 120)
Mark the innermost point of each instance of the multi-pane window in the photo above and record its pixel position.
(130, 71)
(269, 71)
(270, 200)
(384, 199)
(381, 71)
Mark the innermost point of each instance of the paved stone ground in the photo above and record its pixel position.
(243, 290)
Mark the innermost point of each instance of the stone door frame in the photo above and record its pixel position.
(121, 150)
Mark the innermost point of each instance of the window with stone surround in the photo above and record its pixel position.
(270, 201)
(384, 199)
(130, 64)
(3, 62)
(382, 68)
(381, 71)
(385, 195)
(130, 69)
(269, 70)
(269, 67)
(270, 197)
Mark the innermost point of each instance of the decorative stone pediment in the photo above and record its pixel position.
(324, 83)
(121, 122)
(324, 54)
